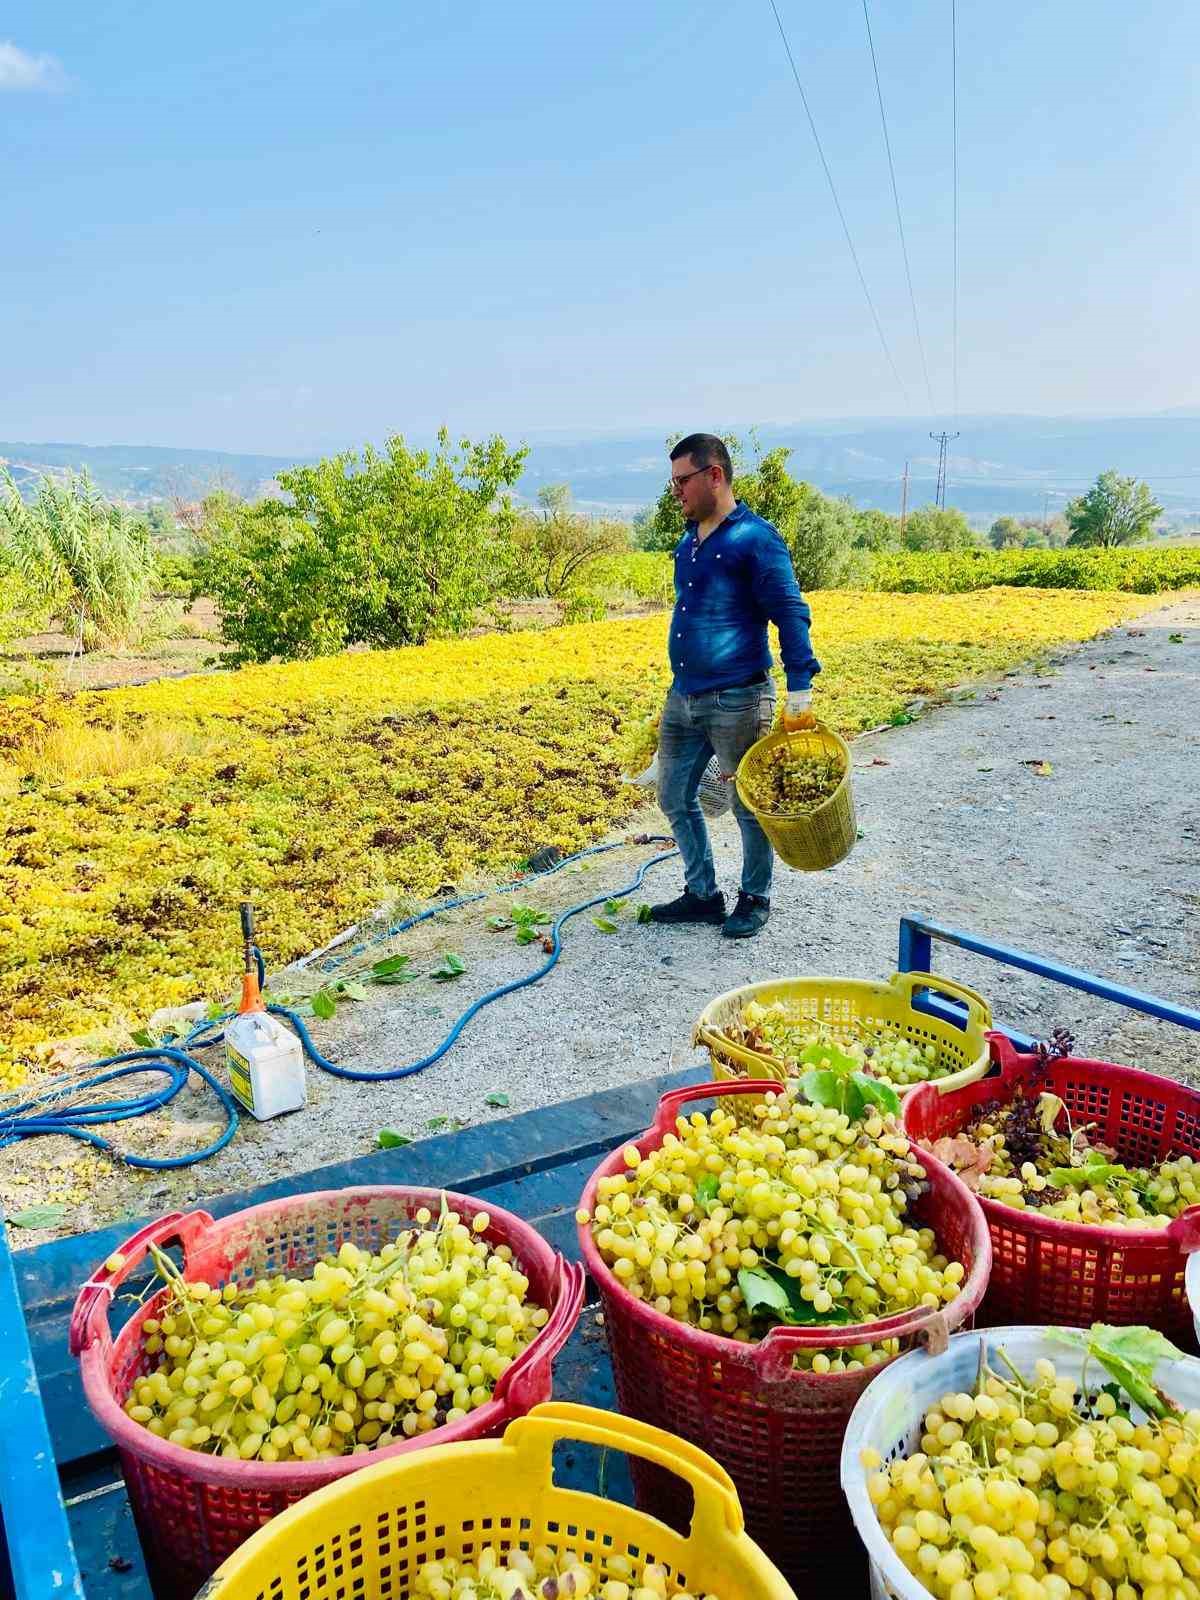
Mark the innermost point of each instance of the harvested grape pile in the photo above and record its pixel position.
(369, 1350)
(797, 1043)
(1032, 1488)
(543, 1575)
(1031, 1155)
(800, 1218)
(785, 783)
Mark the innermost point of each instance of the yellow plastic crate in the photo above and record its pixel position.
(364, 1537)
(844, 1004)
(813, 840)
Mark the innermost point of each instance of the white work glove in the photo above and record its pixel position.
(797, 712)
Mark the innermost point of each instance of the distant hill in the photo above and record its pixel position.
(997, 465)
(142, 473)
(1019, 465)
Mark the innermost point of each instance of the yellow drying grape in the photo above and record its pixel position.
(369, 1349)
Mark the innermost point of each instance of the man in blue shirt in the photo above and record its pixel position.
(733, 575)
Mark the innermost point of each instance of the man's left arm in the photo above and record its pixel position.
(781, 602)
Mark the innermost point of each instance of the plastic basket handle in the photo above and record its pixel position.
(718, 1511)
(978, 1010)
(1184, 1230)
(89, 1319)
(773, 1356)
(515, 1382)
(669, 1106)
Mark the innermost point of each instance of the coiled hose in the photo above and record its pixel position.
(58, 1110)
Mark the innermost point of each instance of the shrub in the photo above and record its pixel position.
(556, 545)
(390, 548)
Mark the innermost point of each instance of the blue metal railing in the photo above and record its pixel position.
(916, 954)
(41, 1557)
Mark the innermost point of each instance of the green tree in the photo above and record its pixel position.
(818, 531)
(79, 558)
(1034, 536)
(1006, 533)
(876, 530)
(558, 544)
(384, 549)
(1114, 511)
(938, 528)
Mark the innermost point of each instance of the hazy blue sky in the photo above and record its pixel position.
(289, 227)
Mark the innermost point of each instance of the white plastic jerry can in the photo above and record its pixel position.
(265, 1062)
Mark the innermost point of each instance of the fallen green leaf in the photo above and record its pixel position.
(453, 966)
(1175, 638)
(38, 1217)
(605, 924)
(348, 990)
(498, 924)
(644, 913)
(613, 906)
(496, 1098)
(323, 1004)
(389, 966)
(144, 1038)
(389, 1139)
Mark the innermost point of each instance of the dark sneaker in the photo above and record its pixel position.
(690, 908)
(747, 917)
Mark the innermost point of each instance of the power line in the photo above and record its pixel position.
(954, 141)
(838, 204)
(887, 144)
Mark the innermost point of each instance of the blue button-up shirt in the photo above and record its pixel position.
(727, 588)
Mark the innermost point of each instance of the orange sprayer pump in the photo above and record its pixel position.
(264, 1060)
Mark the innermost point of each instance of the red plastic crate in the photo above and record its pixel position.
(1071, 1273)
(777, 1431)
(193, 1509)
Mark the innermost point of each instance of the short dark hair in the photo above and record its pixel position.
(706, 450)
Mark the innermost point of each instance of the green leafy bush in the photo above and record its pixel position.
(394, 547)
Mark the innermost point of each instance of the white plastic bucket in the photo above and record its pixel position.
(1191, 1288)
(715, 793)
(888, 1419)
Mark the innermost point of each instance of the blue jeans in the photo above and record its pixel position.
(694, 727)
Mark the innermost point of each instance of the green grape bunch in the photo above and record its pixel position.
(800, 1217)
(1029, 1154)
(637, 745)
(371, 1349)
(542, 1574)
(786, 783)
(1031, 1487)
(775, 1031)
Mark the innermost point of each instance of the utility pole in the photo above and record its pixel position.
(943, 439)
(1046, 515)
(904, 502)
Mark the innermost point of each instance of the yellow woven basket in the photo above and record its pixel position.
(844, 1006)
(814, 840)
(366, 1535)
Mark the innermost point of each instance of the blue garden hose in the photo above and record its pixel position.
(37, 1115)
